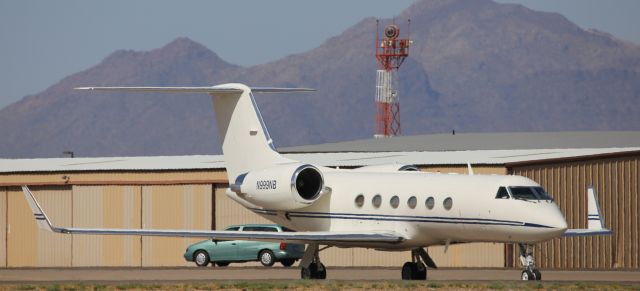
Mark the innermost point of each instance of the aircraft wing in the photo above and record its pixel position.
(317, 237)
(595, 222)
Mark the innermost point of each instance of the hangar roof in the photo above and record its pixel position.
(481, 141)
(344, 159)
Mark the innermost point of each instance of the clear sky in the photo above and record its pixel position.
(43, 41)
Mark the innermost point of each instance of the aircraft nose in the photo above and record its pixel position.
(557, 220)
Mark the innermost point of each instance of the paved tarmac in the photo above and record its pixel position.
(188, 274)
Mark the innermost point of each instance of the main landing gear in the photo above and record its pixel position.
(529, 270)
(416, 269)
(310, 265)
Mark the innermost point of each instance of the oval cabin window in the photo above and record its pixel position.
(412, 202)
(395, 201)
(359, 200)
(430, 202)
(376, 201)
(447, 203)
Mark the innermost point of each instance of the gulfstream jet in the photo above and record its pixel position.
(391, 208)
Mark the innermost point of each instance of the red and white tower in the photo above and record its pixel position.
(391, 52)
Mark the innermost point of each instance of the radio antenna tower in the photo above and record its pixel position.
(391, 51)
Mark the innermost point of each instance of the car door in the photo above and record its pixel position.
(248, 250)
(225, 250)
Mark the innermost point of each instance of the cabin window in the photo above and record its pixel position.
(447, 203)
(430, 202)
(412, 202)
(359, 200)
(395, 201)
(376, 201)
(502, 193)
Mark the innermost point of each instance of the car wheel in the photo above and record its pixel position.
(201, 258)
(222, 264)
(287, 262)
(266, 258)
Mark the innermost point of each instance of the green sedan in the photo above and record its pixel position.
(224, 252)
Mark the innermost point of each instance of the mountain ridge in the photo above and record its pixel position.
(475, 66)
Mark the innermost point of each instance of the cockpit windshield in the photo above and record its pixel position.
(529, 193)
(542, 194)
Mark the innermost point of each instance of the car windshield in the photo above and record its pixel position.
(529, 193)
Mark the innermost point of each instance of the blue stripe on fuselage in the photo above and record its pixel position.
(384, 217)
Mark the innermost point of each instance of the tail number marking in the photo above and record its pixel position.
(266, 184)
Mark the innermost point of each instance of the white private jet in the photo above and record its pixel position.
(390, 207)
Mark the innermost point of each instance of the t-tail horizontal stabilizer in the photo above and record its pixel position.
(595, 223)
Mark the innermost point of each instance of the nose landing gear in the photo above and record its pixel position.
(529, 272)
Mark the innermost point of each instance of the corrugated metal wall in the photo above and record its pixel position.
(27, 245)
(173, 207)
(102, 206)
(106, 207)
(616, 181)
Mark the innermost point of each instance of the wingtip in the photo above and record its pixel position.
(41, 218)
(83, 88)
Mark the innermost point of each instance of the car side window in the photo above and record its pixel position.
(285, 229)
(233, 228)
(260, 228)
(502, 193)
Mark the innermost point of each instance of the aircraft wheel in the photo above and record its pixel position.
(314, 271)
(321, 271)
(537, 274)
(409, 271)
(527, 275)
(421, 272)
(306, 273)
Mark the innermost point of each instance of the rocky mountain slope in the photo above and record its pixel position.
(476, 66)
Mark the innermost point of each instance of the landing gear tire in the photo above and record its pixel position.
(537, 274)
(414, 271)
(529, 272)
(314, 271)
(408, 271)
(421, 271)
(526, 275)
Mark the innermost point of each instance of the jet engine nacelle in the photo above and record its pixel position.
(389, 168)
(285, 187)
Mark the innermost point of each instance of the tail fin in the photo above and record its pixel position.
(246, 143)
